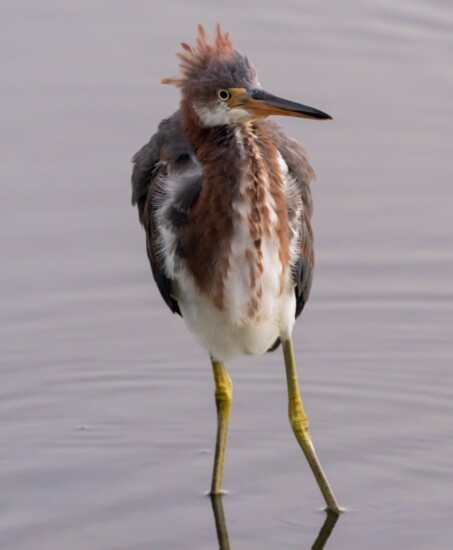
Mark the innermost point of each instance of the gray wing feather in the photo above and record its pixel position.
(166, 150)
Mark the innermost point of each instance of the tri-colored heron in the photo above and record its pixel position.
(224, 197)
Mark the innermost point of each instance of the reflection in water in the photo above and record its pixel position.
(326, 530)
(220, 523)
(222, 532)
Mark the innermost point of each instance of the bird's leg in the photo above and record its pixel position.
(299, 424)
(223, 397)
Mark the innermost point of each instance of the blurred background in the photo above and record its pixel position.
(107, 418)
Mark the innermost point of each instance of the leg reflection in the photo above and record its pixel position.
(220, 524)
(222, 533)
(326, 530)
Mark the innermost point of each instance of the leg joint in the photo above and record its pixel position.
(224, 394)
(223, 390)
(298, 419)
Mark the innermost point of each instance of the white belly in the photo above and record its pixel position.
(224, 339)
(233, 330)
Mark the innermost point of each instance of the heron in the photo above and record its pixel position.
(224, 197)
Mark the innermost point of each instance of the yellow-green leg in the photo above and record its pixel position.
(223, 397)
(299, 424)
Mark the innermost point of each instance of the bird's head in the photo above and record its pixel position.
(220, 85)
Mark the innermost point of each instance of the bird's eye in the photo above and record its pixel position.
(224, 95)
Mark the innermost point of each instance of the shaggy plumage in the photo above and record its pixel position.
(226, 209)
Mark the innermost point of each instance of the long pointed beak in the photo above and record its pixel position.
(262, 103)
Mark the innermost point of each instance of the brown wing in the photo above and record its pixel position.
(300, 208)
(167, 151)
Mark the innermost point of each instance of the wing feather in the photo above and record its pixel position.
(166, 152)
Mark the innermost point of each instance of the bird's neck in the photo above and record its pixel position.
(242, 190)
(210, 144)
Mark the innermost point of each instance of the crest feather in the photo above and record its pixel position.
(195, 59)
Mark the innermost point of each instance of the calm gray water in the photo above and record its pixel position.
(106, 403)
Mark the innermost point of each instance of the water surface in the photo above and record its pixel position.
(106, 403)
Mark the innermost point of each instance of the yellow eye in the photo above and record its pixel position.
(223, 95)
